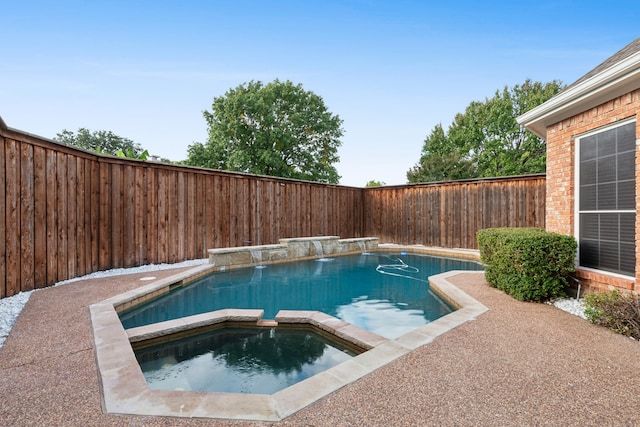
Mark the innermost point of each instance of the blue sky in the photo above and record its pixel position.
(146, 70)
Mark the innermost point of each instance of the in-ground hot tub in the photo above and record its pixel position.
(236, 359)
(244, 356)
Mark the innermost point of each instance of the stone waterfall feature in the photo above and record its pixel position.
(289, 250)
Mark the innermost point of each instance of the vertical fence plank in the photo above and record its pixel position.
(52, 216)
(80, 218)
(139, 214)
(86, 219)
(470, 209)
(105, 224)
(293, 207)
(130, 243)
(340, 217)
(410, 215)
(277, 216)
(231, 222)
(152, 191)
(62, 207)
(13, 217)
(310, 224)
(201, 220)
(221, 210)
(13, 242)
(255, 199)
(209, 213)
(117, 215)
(245, 206)
(71, 217)
(236, 216)
(27, 219)
(195, 223)
(40, 216)
(163, 214)
(190, 217)
(172, 224)
(3, 220)
(418, 216)
(196, 231)
(94, 221)
(303, 223)
(182, 215)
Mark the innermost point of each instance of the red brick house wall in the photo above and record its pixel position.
(606, 95)
(560, 206)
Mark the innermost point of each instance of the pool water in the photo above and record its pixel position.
(387, 294)
(239, 360)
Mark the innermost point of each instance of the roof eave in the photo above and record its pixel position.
(615, 81)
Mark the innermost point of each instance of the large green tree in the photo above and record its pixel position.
(103, 142)
(486, 140)
(277, 129)
(441, 160)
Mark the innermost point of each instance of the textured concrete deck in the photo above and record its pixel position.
(517, 364)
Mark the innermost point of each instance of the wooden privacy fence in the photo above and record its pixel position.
(449, 214)
(66, 212)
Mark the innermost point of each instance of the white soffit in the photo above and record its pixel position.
(615, 81)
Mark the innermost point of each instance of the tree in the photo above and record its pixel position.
(441, 160)
(102, 142)
(374, 183)
(486, 140)
(278, 129)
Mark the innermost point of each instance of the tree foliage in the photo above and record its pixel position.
(277, 129)
(441, 160)
(374, 183)
(486, 140)
(132, 155)
(102, 142)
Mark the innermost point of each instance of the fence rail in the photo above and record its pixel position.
(66, 212)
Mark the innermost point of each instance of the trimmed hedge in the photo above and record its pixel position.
(530, 264)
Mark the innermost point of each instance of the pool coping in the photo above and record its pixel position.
(124, 389)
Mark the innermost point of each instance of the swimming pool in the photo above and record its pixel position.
(385, 293)
(124, 389)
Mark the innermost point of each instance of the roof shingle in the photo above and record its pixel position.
(623, 53)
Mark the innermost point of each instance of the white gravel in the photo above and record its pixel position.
(571, 305)
(11, 307)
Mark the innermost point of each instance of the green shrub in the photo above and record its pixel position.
(618, 311)
(530, 264)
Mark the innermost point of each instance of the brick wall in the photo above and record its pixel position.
(560, 205)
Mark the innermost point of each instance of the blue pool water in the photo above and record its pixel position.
(387, 294)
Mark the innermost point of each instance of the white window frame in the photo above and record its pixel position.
(576, 201)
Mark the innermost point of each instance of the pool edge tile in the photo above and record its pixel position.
(300, 395)
(236, 406)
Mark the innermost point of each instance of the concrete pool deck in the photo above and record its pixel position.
(516, 364)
